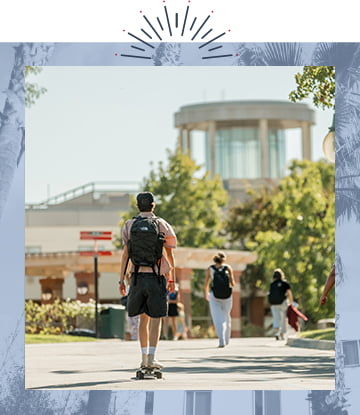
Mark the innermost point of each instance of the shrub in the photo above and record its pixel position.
(55, 318)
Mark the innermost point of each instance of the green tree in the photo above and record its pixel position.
(317, 82)
(244, 221)
(304, 247)
(292, 227)
(191, 204)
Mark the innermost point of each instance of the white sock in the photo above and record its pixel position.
(144, 350)
(152, 350)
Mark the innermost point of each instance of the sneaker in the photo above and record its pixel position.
(153, 363)
(282, 336)
(144, 361)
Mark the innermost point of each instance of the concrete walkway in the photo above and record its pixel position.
(247, 363)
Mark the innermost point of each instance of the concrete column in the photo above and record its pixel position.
(51, 286)
(306, 140)
(257, 311)
(212, 133)
(84, 279)
(183, 277)
(236, 307)
(188, 142)
(264, 147)
(180, 139)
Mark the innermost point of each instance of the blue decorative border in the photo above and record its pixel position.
(346, 58)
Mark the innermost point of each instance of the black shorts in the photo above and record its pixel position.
(147, 295)
(173, 310)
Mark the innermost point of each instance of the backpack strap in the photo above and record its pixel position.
(158, 267)
(127, 263)
(159, 261)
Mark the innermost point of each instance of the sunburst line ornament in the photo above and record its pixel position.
(161, 26)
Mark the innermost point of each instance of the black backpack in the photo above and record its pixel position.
(276, 293)
(146, 242)
(220, 283)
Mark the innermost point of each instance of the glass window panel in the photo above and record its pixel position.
(237, 153)
(276, 153)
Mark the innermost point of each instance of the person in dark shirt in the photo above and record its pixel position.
(280, 296)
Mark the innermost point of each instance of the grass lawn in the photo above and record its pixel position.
(56, 338)
(324, 334)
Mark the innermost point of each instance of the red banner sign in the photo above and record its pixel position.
(95, 235)
(93, 253)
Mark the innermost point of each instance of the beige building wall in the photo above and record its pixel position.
(56, 228)
(65, 238)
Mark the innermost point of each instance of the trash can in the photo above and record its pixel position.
(111, 320)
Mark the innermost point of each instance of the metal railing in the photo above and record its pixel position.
(130, 187)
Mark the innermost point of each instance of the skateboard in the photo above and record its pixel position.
(144, 372)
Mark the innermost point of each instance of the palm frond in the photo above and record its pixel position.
(340, 270)
(249, 55)
(347, 204)
(167, 54)
(324, 54)
(283, 54)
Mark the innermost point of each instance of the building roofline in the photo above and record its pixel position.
(128, 187)
(246, 103)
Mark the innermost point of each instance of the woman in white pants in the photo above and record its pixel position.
(220, 307)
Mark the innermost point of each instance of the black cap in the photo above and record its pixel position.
(145, 198)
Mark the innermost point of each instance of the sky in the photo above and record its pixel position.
(110, 123)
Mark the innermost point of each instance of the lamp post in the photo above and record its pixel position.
(95, 236)
(329, 143)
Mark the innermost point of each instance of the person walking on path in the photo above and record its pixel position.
(280, 296)
(148, 242)
(181, 327)
(330, 282)
(132, 323)
(173, 312)
(293, 315)
(219, 281)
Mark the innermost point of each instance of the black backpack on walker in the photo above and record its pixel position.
(221, 282)
(146, 242)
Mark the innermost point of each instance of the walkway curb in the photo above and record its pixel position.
(311, 343)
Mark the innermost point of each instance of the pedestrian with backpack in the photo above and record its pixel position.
(279, 296)
(219, 281)
(148, 243)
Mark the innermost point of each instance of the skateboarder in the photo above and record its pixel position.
(148, 242)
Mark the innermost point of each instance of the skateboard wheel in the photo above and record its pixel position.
(139, 374)
(158, 375)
